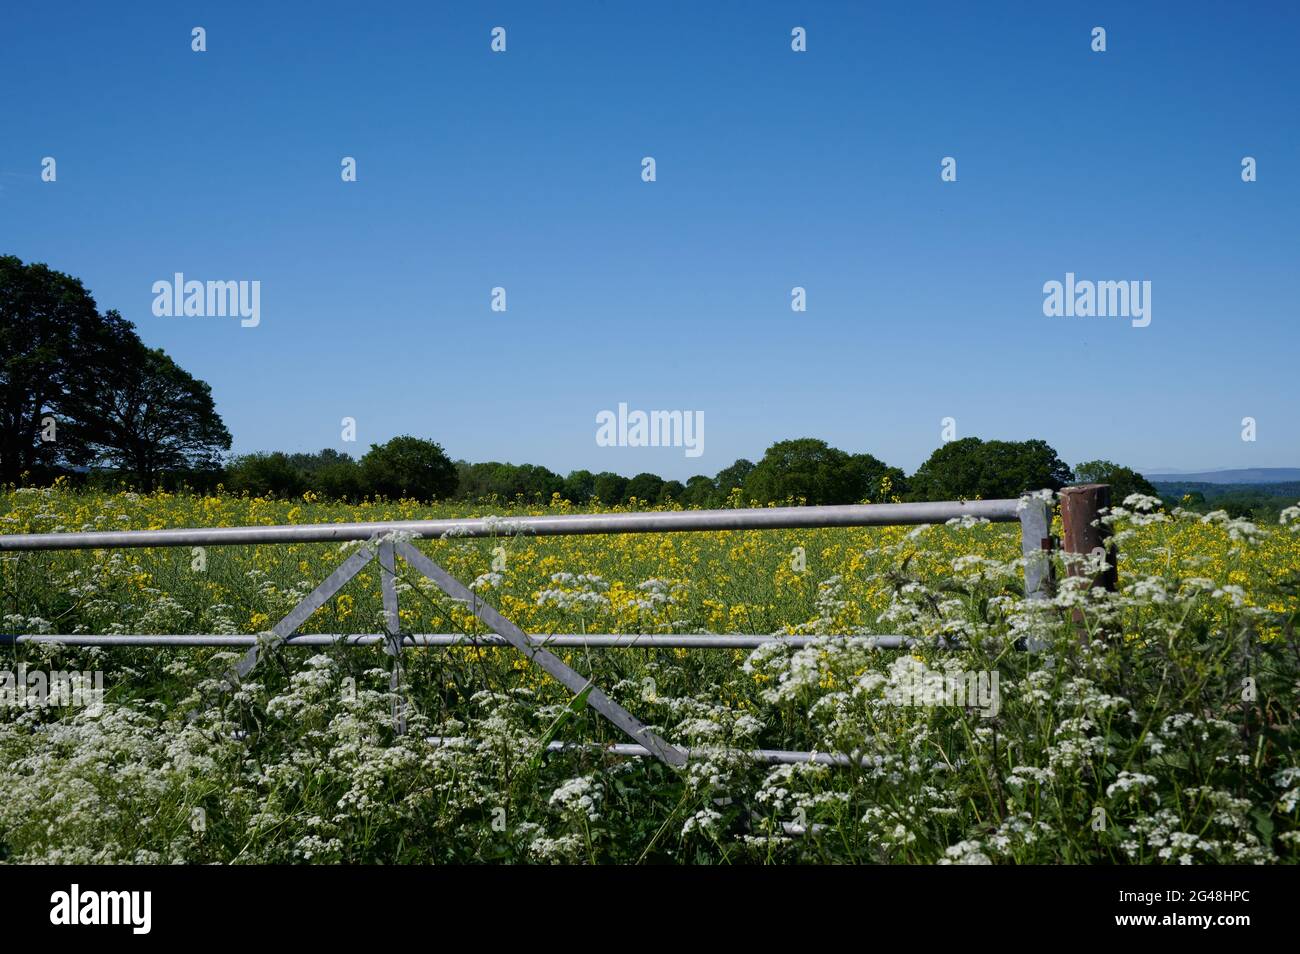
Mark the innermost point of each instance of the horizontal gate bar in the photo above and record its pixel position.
(592, 640)
(631, 750)
(758, 518)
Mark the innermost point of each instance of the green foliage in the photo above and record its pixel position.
(45, 319)
(810, 470)
(733, 478)
(145, 415)
(579, 486)
(970, 468)
(506, 481)
(116, 404)
(672, 491)
(263, 475)
(700, 491)
(1261, 502)
(609, 488)
(409, 467)
(1123, 480)
(644, 487)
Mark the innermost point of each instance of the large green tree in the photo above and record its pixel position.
(732, 478)
(701, 491)
(114, 402)
(263, 474)
(971, 468)
(609, 488)
(47, 325)
(579, 486)
(144, 413)
(645, 488)
(809, 469)
(409, 467)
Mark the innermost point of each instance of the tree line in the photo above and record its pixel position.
(81, 396)
(802, 470)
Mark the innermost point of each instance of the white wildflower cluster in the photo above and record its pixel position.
(1023, 775)
(782, 791)
(547, 850)
(1017, 832)
(581, 796)
(1239, 529)
(711, 723)
(1137, 511)
(1289, 779)
(705, 821)
(828, 602)
(1129, 782)
(654, 595)
(487, 581)
(788, 675)
(1290, 518)
(975, 570)
(965, 853)
(582, 592)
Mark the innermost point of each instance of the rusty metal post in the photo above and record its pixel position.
(1084, 533)
(1080, 508)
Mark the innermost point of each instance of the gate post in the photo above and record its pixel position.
(1084, 533)
(1036, 546)
(392, 630)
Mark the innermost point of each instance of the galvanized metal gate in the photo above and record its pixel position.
(387, 541)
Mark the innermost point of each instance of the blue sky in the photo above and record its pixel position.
(774, 169)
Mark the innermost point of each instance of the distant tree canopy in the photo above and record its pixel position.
(1263, 503)
(409, 467)
(733, 477)
(1123, 480)
(78, 388)
(609, 488)
(645, 487)
(261, 475)
(700, 491)
(801, 469)
(506, 481)
(971, 468)
(580, 486)
(811, 470)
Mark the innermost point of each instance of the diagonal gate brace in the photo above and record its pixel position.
(542, 657)
(299, 614)
(516, 637)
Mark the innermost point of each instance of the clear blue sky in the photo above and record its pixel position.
(775, 169)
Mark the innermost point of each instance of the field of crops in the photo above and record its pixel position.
(1163, 733)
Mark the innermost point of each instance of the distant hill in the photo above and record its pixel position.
(1174, 490)
(1248, 475)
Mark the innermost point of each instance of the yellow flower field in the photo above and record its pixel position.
(1166, 707)
(722, 582)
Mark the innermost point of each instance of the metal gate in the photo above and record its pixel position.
(387, 541)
